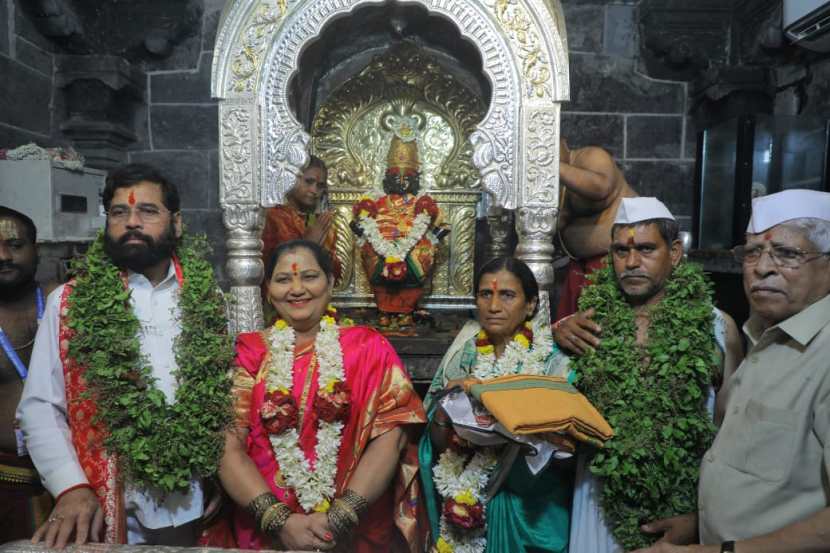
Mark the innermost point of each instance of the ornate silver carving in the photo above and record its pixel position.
(246, 64)
(237, 174)
(500, 227)
(535, 226)
(542, 139)
(257, 51)
(514, 19)
(243, 225)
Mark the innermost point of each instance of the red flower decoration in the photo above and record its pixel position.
(334, 406)
(394, 271)
(393, 171)
(278, 412)
(366, 205)
(426, 203)
(464, 516)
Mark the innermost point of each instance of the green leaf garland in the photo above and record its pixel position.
(653, 396)
(156, 444)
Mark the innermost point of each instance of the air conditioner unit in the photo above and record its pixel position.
(807, 23)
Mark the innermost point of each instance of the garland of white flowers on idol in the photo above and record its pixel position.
(463, 516)
(393, 251)
(314, 488)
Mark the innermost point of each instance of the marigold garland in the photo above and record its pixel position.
(156, 444)
(654, 397)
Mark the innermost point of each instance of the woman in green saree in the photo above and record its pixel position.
(528, 513)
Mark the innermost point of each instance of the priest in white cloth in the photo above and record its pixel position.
(640, 289)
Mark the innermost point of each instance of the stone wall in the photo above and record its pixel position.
(179, 130)
(26, 91)
(614, 104)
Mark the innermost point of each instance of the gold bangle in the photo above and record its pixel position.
(356, 501)
(274, 519)
(342, 518)
(261, 503)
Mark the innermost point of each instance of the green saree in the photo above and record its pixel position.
(530, 513)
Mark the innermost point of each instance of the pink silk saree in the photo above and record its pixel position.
(381, 396)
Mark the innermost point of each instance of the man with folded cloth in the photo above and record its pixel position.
(651, 348)
(763, 483)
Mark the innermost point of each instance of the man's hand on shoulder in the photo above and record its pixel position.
(577, 333)
(77, 513)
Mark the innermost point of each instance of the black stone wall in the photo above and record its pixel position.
(616, 105)
(26, 79)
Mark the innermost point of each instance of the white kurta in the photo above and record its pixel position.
(42, 409)
(589, 531)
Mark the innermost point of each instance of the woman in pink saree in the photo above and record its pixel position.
(323, 453)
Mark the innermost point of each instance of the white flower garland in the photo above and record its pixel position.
(453, 480)
(395, 249)
(516, 357)
(314, 488)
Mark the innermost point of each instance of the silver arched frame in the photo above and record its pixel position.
(263, 146)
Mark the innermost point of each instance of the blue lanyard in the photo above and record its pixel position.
(6, 344)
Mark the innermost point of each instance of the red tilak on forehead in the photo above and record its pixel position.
(131, 199)
(294, 268)
(768, 236)
(494, 284)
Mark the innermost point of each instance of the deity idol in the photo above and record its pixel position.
(398, 235)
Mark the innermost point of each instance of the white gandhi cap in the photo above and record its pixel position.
(635, 210)
(772, 210)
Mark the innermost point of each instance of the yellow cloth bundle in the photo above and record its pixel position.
(526, 404)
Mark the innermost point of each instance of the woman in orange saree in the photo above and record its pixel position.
(323, 452)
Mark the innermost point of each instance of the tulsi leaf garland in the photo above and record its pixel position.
(156, 444)
(654, 397)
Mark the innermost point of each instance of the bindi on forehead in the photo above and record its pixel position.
(294, 269)
(9, 230)
(131, 198)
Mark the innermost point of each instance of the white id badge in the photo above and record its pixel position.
(21, 443)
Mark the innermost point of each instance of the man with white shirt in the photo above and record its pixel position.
(764, 482)
(128, 392)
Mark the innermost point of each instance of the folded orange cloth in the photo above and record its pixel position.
(526, 404)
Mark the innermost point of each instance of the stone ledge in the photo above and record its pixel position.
(26, 547)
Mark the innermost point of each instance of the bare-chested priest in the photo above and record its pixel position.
(24, 503)
(592, 187)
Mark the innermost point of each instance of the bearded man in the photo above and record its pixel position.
(24, 503)
(764, 481)
(302, 216)
(592, 189)
(663, 347)
(128, 392)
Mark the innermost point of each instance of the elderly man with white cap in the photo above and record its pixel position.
(764, 482)
(652, 354)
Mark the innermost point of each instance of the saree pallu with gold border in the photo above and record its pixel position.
(381, 398)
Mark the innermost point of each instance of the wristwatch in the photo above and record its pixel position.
(727, 547)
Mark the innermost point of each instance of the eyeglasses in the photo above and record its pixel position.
(146, 213)
(782, 256)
